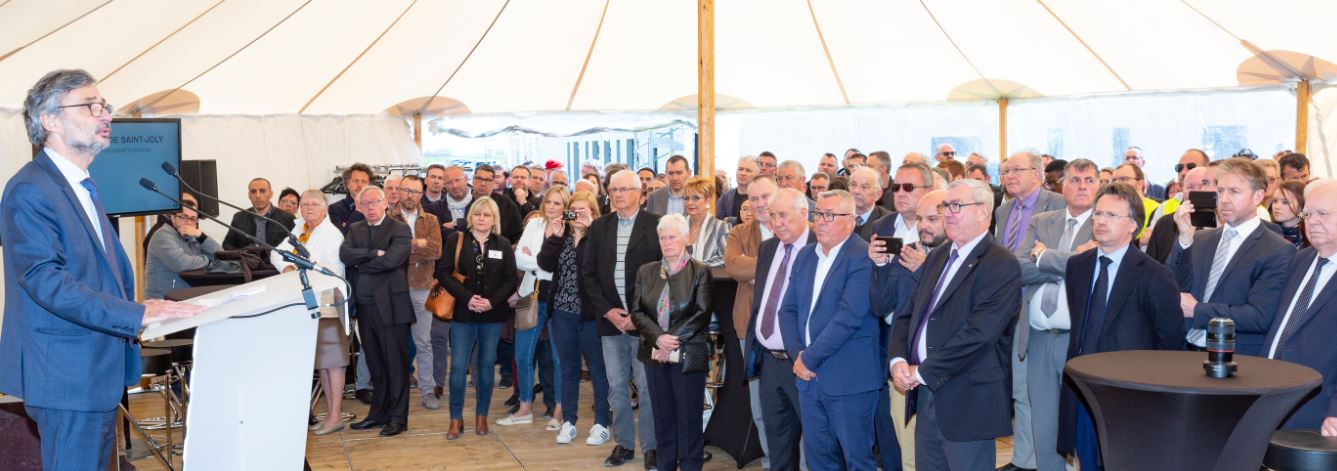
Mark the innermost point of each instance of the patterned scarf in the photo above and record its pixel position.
(306, 235)
(664, 272)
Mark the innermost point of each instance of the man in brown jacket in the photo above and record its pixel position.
(426, 249)
(740, 261)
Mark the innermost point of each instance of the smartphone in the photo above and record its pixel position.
(568, 215)
(1204, 208)
(893, 244)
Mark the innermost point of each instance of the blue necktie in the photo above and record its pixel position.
(105, 225)
(923, 319)
(1096, 305)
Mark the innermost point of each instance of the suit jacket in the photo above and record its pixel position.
(740, 262)
(1143, 314)
(725, 205)
(1249, 287)
(380, 277)
(843, 348)
(865, 231)
(596, 271)
(274, 234)
(71, 326)
(969, 339)
(1311, 345)
(892, 288)
(422, 260)
(1045, 202)
(657, 201)
(765, 258)
(1047, 228)
(884, 226)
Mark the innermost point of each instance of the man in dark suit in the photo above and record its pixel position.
(913, 180)
(767, 360)
(375, 254)
(865, 188)
(252, 223)
(344, 213)
(1306, 317)
(669, 199)
(71, 325)
(951, 344)
(1235, 271)
(621, 243)
(1126, 302)
(831, 335)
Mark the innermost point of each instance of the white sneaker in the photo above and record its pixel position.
(566, 434)
(598, 435)
(516, 419)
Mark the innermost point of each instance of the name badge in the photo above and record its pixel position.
(494, 254)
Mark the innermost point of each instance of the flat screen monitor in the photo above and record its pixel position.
(139, 147)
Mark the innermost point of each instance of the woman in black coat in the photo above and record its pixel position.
(671, 310)
(487, 265)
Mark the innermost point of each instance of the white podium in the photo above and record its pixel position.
(251, 380)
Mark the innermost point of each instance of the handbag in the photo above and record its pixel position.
(439, 301)
(694, 357)
(527, 310)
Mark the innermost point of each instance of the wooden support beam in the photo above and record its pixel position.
(1302, 115)
(141, 257)
(417, 130)
(705, 91)
(1002, 130)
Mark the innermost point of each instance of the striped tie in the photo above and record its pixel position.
(1219, 261)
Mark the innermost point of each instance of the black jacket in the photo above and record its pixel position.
(596, 271)
(548, 256)
(245, 221)
(689, 304)
(380, 277)
(497, 283)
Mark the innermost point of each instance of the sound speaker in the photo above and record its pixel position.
(203, 175)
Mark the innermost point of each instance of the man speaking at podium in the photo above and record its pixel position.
(71, 327)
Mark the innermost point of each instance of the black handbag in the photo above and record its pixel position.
(695, 357)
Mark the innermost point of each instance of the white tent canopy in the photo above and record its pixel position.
(347, 57)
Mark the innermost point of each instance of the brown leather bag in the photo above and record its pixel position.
(439, 301)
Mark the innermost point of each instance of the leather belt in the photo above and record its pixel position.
(778, 354)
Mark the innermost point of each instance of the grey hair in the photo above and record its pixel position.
(1032, 156)
(675, 222)
(1319, 184)
(979, 192)
(793, 164)
(846, 199)
(315, 195)
(925, 173)
(45, 96)
(625, 175)
(365, 190)
(867, 172)
(748, 158)
(800, 200)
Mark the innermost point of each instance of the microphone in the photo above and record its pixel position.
(292, 239)
(301, 261)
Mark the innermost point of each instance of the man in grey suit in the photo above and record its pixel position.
(1052, 238)
(1022, 178)
(669, 199)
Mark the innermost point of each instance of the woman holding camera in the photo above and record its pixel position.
(671, 310)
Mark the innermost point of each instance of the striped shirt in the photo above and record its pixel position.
(624, 226)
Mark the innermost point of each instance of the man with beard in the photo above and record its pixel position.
(485, 182)
(424, 252)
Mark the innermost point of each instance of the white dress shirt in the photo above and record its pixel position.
(75, 176)
(1323, 277)
(775, 341)
(824, 263)
(1060, 319)
(411, 218)
(906, 232)
(1242, 231)
(921, 344)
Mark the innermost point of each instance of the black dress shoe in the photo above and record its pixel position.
(618, 457)
(391, 429)
(650, 463)
(505, 383)
(513, 400)
(1013, 467)
(707, 456)
(437, 391)
(363, 395)
(366, 424)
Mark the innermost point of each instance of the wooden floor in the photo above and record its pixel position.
(424, 446)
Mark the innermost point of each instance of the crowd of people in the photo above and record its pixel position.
(889, 317)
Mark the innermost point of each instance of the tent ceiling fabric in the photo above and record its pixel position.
(356, 57)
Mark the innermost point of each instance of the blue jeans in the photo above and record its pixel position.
(464, 338)
(525, 343)
(572, 338)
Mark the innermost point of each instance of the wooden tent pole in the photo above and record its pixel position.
(1002, 130)
(417, 130)
(141, 258)
(705, 91)
(1302, 115)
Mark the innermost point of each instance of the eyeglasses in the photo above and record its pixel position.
(1126, 180)
(1098, 214)
(1310, 214)
(1183, 167)
(369, 203)
(95, 108)
(484, 179)
(478, 263)
(312, 204)
(693, 198)
(948, 153)
(766, 164)
(953, 207)
(408, 191)
(1011, 171)
(827, 216)
(186, 218)
(905, 187)
(621, 189)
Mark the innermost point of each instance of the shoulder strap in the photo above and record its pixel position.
(459, 245)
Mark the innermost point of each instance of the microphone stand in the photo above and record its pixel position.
(170, 170)
(302, 262)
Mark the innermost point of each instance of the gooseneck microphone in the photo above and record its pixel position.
(292, 239)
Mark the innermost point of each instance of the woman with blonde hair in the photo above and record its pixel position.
(706, 235)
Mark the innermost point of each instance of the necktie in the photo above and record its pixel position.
(923, 318)
(1219, 263)
(102, 224)
(1300, 312)
(773, 298)
(1049, 300)
(858, 221)
(1096, 303)
(1014, 228)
